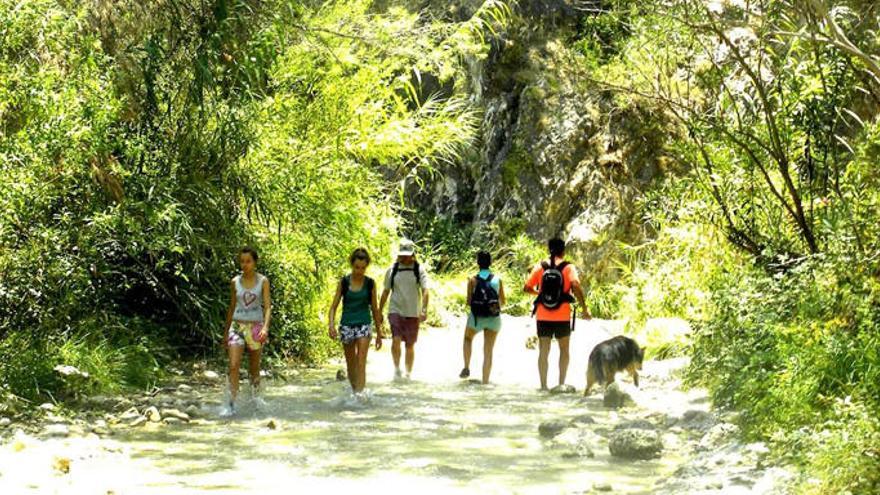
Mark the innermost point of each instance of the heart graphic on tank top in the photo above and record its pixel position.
(249, 298)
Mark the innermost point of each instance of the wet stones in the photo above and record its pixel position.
(635, 444)
(562, 389)
(57, 431)
(696, 420)
(583, 419)
(615, 397)
(175, 414)
(550, 429)
(636, 424)
(152, 414)
(138, 421)
(717, 435)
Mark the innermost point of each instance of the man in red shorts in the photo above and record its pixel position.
(553, 282)
(406, 282)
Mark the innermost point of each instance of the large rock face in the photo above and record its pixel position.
(556, 154)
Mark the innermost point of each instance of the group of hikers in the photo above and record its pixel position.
(406, 291)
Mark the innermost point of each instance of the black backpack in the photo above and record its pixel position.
(346, 283)
(484, 299)
(552, 293)
(397, 269)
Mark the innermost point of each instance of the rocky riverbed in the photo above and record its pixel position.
(435, 434)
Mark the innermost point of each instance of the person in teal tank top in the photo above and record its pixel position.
(485, 298)
(357, 293)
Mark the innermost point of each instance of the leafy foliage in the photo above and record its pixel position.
(142, 145)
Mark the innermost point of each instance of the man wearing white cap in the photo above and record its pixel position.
(407, 283)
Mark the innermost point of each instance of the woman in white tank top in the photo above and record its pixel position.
(247, 326)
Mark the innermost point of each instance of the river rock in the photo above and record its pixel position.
(638, 424)
(562, 389)
(175, 413)
(47, 406)
(340, 376)
(717, 435)
(615, 397)
(192, 411)
(57, 431)
(172, 420)
(210, 375)
(5, 422)
(602, 487)
(583, 419)
(152, 413)
(129, 414)
(550, 429)
(272, 425)
(635, 444)
(99, 427)
(184, 388)
(696, 420)
(138, 421)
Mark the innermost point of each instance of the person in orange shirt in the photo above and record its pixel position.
(553, 282)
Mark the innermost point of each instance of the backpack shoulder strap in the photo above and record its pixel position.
(562, 265)
(371, 286)
(394, 269)
(418, 273)
(345, 282)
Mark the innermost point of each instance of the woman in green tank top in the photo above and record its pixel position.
(357, 292)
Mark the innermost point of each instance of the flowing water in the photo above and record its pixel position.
(433, 434)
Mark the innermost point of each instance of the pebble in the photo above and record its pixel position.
(130, 414)
(172, 421)
(139, 421)
(4, 422)
(175, 413)
(56, 431)
(550, 429)
(152, 413)
(211, 374)
(47, 406)
(602, 487)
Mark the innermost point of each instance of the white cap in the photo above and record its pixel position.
(406, 248)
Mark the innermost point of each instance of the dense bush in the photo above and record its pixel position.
(141, 145)
(769, 244)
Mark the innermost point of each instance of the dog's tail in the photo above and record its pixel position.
(597, 368)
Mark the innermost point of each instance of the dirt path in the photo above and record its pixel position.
(435, 434)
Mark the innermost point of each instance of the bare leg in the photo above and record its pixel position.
(563, 359)
(350, 350)
(363, 347)
(410, 357)
(469, 334)
(488, 345)
(235, 354)
(254, 358)
(543, 355)
(395, 352)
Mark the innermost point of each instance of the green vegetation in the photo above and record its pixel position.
(142, 145)
(768, 245)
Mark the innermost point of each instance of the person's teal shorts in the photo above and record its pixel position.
(492, 323)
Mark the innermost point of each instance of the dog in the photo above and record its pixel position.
(613, 355)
